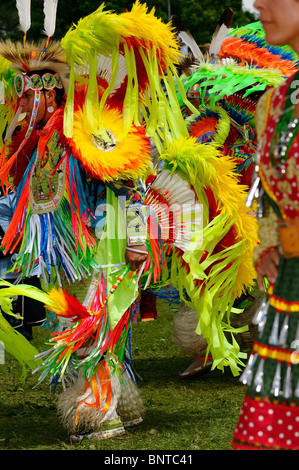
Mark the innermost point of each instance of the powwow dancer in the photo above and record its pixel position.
(226, 89)
(270, 412)
(79, 211)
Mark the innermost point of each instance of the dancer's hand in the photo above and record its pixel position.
(268, 267)
(135, 259)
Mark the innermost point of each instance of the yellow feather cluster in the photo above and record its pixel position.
(57, 302)
(140, 38)
(103, 31)
(146, 27)
(130, 157)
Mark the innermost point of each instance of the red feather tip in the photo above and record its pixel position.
(75, 308)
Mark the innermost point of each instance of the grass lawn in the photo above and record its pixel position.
(181, 414)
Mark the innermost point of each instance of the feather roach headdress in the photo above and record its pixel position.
(35, 66)
(248, 45)
(30, 57)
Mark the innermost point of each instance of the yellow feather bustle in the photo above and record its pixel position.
(126, 159)
(149, 48)
(218, 266)
(145, 27)
(204, 166)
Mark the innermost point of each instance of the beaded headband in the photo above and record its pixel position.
(46, 81)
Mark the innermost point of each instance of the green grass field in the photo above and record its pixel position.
(181, 414)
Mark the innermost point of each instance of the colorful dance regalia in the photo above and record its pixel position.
(270, 413)
(80, 205)
(248, 45)
(226, 91)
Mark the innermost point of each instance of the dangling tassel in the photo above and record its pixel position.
(261, 312)
(273, 339)
(296, 393)
(276, 381)
(282, 341)
(287, 389)
(260, 204)
(247, 375)
(260, 317)
(259, 377)
(254, 191)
